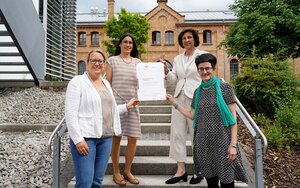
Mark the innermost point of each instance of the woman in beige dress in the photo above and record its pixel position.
(121, 73)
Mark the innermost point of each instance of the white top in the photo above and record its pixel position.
(185, 74)
(83, 109)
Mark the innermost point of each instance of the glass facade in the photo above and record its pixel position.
(60, 26)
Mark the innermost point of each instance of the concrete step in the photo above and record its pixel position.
(155, 128)
(153, 147)
(152, 165)
(155, 109)
(155, 181)
(154, 136)
(155, 118)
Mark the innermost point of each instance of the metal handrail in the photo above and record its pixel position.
(253, 124)
(55, 138)
(57, 128)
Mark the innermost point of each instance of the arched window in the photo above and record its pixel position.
(207, 36)
(156, 37)
(169, 37)
(82, 39)
(81, 67)
(95, 38)
(234, 68)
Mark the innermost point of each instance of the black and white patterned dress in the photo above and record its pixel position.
(212, 139)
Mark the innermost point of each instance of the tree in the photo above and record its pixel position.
(265, 27)
(126, 22)
(265, 84)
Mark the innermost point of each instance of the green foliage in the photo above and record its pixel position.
(264, 84)
(262, 120)
(269, 89)
(266, 27)
(126, 22)
(275, 136)
(284, 131)
(288, 117)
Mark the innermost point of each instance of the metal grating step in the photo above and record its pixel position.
(4, 33)
(7, 43)
(9, 54)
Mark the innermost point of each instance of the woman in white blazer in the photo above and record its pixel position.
(92, 118)
(187, 79)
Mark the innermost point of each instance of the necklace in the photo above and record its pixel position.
(127, 62)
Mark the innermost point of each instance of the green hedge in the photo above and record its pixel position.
(269, 90)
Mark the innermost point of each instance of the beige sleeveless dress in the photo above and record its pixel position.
(124, 84)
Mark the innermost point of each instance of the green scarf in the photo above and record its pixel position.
(227, 116)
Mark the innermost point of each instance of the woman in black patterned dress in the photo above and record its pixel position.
(216, 153)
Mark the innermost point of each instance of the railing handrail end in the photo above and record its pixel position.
(57, 128)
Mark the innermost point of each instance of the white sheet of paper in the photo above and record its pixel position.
(151, 81)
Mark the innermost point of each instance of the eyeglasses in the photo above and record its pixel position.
(207, 69)
(95, 61)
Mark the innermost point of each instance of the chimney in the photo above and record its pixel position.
(111, 8)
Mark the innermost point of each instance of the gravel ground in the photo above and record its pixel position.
(31, 106)
(24, 160)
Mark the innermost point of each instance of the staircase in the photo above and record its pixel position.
(152, 165)
(12, 65)
(22, 43)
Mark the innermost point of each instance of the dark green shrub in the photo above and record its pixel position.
(263, 84)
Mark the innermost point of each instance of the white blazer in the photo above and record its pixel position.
(83, 109)
(187, 79)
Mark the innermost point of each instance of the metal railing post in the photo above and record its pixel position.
(55, 142)
(258, 164)
(56, 161)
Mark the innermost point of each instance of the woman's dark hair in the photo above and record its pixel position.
(203, 58)
(134, 52)
(95, 51)
(195, 36)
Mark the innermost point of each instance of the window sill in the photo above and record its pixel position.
(155, 44)
(207, 44)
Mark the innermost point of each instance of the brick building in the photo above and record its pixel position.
(165, 26)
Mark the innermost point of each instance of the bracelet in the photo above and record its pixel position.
(176, 105)
(233, 146)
